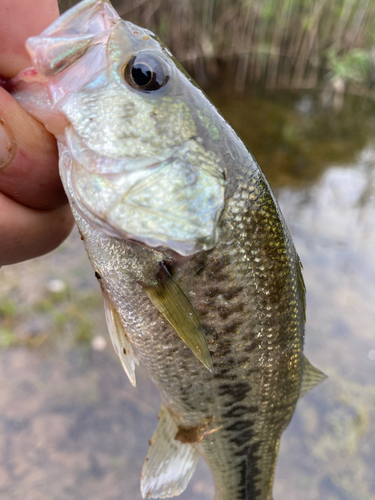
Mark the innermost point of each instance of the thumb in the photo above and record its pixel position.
(28, 158)
(34, 214)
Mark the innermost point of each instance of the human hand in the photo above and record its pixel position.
(34, 213)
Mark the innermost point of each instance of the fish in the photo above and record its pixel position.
(200, 278)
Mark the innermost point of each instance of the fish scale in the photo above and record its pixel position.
(200, 278)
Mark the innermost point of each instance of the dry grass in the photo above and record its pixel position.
(284, 43)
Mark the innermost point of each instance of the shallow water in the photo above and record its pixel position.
(71, 425)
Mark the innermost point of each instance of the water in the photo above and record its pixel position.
(71, 425)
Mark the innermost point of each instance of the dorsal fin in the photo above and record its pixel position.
(172, 303)
(170, 463)
(311, 377)
(120, 341)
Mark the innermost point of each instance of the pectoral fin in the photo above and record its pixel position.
(311, 377)
(169, 464)
(172, 303)
(121, 344)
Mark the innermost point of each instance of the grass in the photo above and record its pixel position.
(66, 318)
(282, 43)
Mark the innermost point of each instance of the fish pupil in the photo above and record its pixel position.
(146, 72)
(142, 74)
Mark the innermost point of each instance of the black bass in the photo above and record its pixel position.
(200, 278)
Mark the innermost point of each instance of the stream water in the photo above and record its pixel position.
(72, 426)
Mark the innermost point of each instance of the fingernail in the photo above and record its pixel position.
(7, 145)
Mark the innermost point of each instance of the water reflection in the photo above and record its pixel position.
(329, 448)
(292, 135)
(71, 424)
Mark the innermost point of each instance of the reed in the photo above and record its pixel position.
(283, 43)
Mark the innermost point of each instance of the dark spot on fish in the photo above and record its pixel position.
(242, 492)
(232, 327)
(174, 349)
(210, 334)
(253, 409)
(254, 369)
(227, 376)
(243, 360)
(233, 292)
(223, 350)
(149, 442)
(202, 312)
(82, 237)
(243, 437)
(213, 292)
(249, 471)
(219, 265)
(251, 347)
(239, 426)
(200, 263)
(97, 275)
(221, 373)
(236, 412)
(252, 470)
(124, 351)
(237, 391)
(224, 312)
(221, 277)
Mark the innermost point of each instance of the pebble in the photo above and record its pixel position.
(98, 343)
(56, 286)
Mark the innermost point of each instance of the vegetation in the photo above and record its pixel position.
(65, 317)
(283, 43)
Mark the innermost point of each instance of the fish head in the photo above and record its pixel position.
(137, 159)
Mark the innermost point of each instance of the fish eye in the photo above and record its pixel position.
(146, 72)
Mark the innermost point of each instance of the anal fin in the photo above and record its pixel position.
(311, 377)
(170, 463)
(121, 344)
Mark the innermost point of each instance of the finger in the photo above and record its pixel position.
(27, 233)
(28, 154)
(15, 27)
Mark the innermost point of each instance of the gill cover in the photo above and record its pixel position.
(133, 162)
